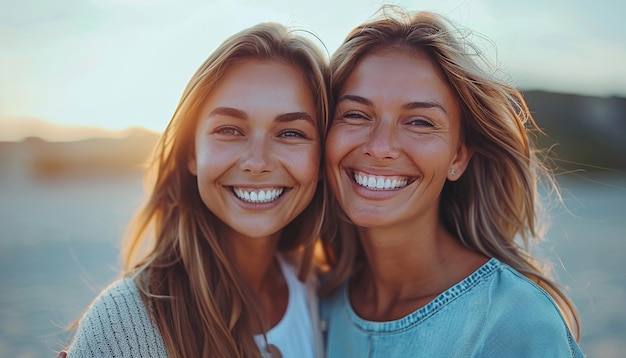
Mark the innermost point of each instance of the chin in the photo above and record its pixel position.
(368, 221)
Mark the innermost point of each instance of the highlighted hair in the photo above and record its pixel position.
(493, 208)
(181, 261)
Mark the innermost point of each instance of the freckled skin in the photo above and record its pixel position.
(253, 134)
(395, 117)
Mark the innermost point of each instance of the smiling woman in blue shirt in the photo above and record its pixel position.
(435, 181)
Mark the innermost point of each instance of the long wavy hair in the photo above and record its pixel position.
(494, 208)
(173, 247)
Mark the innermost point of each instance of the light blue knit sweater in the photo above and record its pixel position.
(117, 324)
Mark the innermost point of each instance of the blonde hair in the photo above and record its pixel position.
(495, 202)
(184, 271)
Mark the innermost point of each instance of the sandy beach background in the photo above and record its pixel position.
(64, 208)
(60, 244)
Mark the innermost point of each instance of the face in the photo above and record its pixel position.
(394, 141)
(257, 148)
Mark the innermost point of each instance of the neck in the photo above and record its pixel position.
(407, 268)
(254, 259)
(398, 258)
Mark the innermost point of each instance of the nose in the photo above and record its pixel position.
(257, 156)
(382, 142)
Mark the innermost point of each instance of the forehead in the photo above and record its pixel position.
(400, 74)
(263, 86)
(253, 75)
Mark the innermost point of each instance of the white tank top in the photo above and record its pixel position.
(293, 335)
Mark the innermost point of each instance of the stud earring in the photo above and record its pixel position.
(453, 172)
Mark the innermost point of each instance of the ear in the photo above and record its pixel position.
(460, 162)
(192, 164)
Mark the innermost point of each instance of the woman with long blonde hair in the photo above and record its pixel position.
(218, 261)
(435, 180)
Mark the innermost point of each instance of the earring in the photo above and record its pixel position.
(453, 172)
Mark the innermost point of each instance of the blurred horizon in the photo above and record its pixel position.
(16, 129)
(19, 129)
(114, 64)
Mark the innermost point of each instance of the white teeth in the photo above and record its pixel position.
(380, 182)
(259, 196)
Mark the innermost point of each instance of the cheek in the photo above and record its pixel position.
(211, 162)
(336, 150)
(203, 165)
(311, 166)
(216, 151)
(302, 163)
(336, 146)
(431, 152)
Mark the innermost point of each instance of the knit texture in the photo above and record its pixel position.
(117, 324)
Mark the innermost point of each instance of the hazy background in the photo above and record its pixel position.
(64, 207)
(119, 63)
(87, 85)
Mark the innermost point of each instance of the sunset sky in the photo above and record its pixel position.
(121, 63)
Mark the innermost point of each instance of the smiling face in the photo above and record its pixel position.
(257, 148)
(394, 140)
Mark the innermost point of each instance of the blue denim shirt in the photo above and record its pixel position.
(495, 312)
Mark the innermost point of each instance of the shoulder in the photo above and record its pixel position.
(119, 303)
(509, 287)
(117, 323)
(522, 311)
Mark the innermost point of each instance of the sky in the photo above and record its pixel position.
(116, 64)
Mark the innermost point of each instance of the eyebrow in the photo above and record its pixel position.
(284, 117)
(295, 116)
(411, 105)
(229, 112)
(358, 99)
(425, 104)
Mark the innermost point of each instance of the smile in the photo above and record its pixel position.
(258, 195)
(378, 182)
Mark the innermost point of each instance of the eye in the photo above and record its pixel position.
(420, 122)
(351, 116)
(227, 130)
(292, 133)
